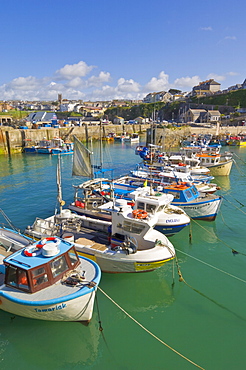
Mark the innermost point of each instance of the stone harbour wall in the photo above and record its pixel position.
(14, 140)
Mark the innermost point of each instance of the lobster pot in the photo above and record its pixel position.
(69, 237)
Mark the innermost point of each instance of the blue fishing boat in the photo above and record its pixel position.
(202, 206)
(47, 280)
(53, 146)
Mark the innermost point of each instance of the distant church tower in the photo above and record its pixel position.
(59, 98)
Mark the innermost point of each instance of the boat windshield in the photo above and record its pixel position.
(58, 266)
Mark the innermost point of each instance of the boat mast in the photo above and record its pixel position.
(59, 187)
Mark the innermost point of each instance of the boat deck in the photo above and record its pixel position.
(90, 243)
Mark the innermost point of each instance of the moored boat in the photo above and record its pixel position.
(133, 138)
(91, 195)
(129, 243)
(218, 165)
(53, 146)
(48, 281)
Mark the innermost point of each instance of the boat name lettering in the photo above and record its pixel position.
(172, 220)
(201, 206)
(59, 307)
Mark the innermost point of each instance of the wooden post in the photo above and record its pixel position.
(8, 143)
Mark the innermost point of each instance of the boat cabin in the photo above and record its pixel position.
(182, 193)
(209, 159)
(40, 265)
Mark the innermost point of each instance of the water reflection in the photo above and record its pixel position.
(58, 344)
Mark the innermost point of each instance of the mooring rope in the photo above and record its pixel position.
(149, 332)
(222, 241)
(239, 158)
(181, 279)
(209, 265)
(239, 209)
(238, 168)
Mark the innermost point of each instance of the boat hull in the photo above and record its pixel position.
(170, 230)
(203, 210)
(58, 302)
(221, 169)
(78, 309)
(142, 261)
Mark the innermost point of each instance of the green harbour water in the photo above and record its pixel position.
(149, 320)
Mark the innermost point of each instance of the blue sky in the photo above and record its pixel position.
(103, 50)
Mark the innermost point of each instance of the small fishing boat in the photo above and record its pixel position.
(47, 280)
(128, 243)
(121, 138)
(133, 138)
(218, 165)
(201, 206)
(109, 137)
(90, 196)
(53, 146)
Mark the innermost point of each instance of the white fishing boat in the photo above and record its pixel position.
(129, 243)
(47, 280)
(133, 138)
(91, 195)
(218, 164)
(175, 175)
(203, 206)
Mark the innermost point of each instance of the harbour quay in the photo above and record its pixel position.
(13, 140)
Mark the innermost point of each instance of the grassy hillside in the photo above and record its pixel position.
(234, 99)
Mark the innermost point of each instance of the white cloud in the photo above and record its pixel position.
(127, 85)
(232, 73)
(75, 82)
(71, 71)
(25, 83)
(186, 82)
(100, 79)
(206, 29)
(230, 38)
(158, 84)
(216, 77)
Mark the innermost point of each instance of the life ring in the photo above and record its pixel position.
(94, 204)
(36, 249)
(139, 213)
(181, 164)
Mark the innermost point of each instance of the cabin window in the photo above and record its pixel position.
(194, 190)
(133, 227)
(188, 194)
(17, 278)
(39, 276)
(58, 266)
(140, 205)
(150, 208)
(72, 256)
(161, 208)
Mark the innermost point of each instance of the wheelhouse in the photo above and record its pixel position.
(31, 277)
